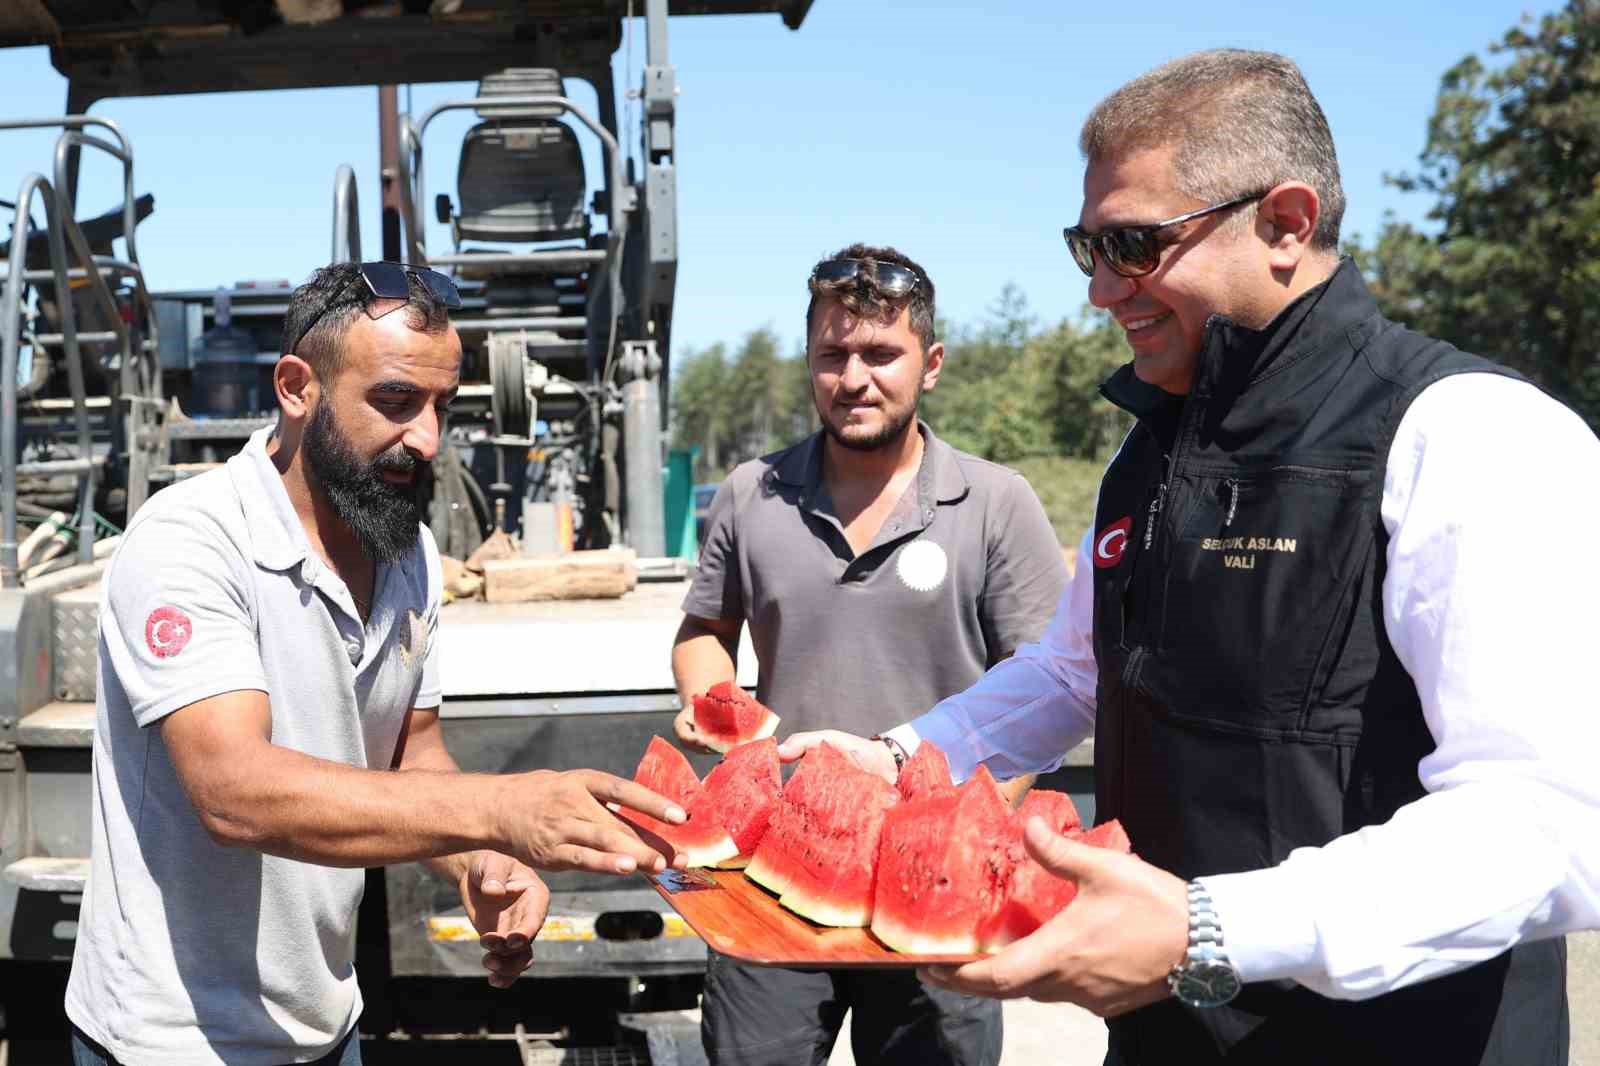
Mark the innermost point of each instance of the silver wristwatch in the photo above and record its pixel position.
(1205, 977)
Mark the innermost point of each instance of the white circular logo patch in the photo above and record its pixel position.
(922, 565)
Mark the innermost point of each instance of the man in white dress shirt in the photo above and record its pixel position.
(1331, 631)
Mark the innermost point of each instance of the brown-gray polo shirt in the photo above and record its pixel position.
(965, 569)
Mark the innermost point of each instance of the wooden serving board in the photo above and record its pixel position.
(739, 918)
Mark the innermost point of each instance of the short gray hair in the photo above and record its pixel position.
(1239, 122)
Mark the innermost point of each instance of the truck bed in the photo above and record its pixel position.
(566, 647)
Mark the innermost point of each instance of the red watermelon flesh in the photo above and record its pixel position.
(785, 832)
(926, 772)
(742, 793)
(942, 868)
(821, 852)
(725, 716)
(701, 840)
(1033, 894)
(1054, 807)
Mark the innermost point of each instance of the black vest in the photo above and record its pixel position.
(1249, 701)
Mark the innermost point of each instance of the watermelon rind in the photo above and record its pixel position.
(941, 866)
(820, 851)
(725, 704)
(722, 743)
(665, 771)
(825, 911)
(742, 793)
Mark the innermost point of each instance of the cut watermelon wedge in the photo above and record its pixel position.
(926, 772)
(702, 840)
(941, 868)
(742, 793)
(820, 852)
(726, 716)
(1033, 894)
(1055, 808)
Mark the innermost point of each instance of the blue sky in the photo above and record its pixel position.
(946, 128)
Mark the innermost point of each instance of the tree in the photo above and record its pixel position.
(992, 398)
(741, 406)
(1512, 154)
(1082, 355)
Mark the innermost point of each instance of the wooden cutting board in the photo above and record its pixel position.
(739, 918)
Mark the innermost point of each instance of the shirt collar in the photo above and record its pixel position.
(939, 478)
(276, 535)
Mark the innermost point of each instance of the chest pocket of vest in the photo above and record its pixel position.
(1258, 583)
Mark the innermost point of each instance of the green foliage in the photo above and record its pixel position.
(1008, 390)
(1513, 160)
(740, 406)
(1068, 487)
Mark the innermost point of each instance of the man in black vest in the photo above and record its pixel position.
(1330, 630)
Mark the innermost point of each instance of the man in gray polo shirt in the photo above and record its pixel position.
(267, 658)
(879, 570)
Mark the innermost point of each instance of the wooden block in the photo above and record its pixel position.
(498, 545)
(604, 574)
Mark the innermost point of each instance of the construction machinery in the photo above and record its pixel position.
(111, 388)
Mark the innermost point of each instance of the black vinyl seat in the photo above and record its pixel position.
(521, 180)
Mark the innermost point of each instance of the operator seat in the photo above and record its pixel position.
(521, 175)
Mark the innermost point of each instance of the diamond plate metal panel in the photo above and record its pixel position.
(76, 639)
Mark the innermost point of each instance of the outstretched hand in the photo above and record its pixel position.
(1110, 951)
(560, 821)
(871, 755)
(507, 904)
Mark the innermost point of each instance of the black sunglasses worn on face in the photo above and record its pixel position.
(1134, 251)
(387, 281)
(891, 279)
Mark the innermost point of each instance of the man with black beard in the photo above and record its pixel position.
(268, 717)
(879, 570)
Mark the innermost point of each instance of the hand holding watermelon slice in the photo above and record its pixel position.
(872, 756)
(723, 717)
(1109, 952)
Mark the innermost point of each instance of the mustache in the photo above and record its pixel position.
(398, 460)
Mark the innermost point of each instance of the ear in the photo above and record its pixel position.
(295, 384)
(1287, 220)
(932, 363)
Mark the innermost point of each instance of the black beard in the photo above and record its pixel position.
(891, 432)
(384, 517)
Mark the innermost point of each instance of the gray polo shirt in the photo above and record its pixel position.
(189, 952)
(965, 569)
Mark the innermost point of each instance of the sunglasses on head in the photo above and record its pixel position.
(1133, 251)
(891, 279)
(387, 281)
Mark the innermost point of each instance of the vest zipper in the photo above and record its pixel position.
(1154, 513)
(1233, 501)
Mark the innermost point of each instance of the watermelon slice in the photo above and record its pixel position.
(820, 852)
(941, 868)
(926, 772)
(727, 715)
(1054, 807)
(701, 840)
(1034, 895)
(742, 793)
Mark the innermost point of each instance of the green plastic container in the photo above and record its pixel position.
(678, 486)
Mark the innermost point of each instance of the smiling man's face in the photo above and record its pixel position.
(867, 376)
(1206, 267)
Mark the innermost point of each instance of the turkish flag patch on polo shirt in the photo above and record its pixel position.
(167, 631)
(1111, 541)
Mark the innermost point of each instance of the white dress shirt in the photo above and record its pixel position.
(1492, 505)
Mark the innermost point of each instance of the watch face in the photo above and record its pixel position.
(1206, 984)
